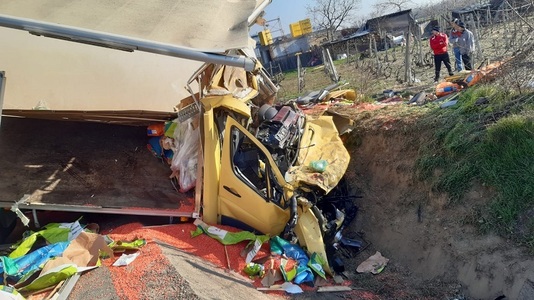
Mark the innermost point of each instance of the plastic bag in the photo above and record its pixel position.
(156, 129)
(316, 263)
(10, 293)
(125, 259)
(18, 267)
(253, 269)
(185, 160)
(178, 134)
(302, 272)
(319, 165)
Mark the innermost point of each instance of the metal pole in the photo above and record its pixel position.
(120, 42)
(299, 75)
(256, 13)
(2, 89)
(348, 54)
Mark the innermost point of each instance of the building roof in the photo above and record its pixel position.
(395, 14)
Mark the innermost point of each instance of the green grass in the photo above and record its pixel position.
(508, 165)
(492, 144)
(314, 80)
(291, 74)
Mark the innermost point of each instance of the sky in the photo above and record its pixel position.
(291, 11)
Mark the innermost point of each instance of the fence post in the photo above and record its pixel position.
(407, 60)
(348, 54)
(376, 56)
(419, 45)
(478, 52)
(300, 76)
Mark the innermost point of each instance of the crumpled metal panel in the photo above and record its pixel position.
(320, 141)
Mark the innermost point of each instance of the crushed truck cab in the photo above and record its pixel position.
(258, 158)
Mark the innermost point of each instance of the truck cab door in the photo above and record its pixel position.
(252, 191)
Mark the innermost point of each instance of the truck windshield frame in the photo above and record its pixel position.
(251, 165)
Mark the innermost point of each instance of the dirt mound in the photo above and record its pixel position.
(433, 247)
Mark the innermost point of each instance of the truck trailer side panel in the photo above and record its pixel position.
(85, 167)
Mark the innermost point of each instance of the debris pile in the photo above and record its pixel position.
(48, 262)
(286, 266)
(43, 260)
(177, 144)
(444, 91)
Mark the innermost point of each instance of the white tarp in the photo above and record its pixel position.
(69, 76)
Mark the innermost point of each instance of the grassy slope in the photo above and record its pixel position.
(492, 144)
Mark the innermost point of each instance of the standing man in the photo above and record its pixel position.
(438, 44)
(466, 43)
(453, 39)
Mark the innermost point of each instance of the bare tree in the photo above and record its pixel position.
(331, 14)
(388, 5)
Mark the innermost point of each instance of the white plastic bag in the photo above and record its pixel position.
(185, 159)
(125, 259)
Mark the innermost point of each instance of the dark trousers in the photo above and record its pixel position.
(466, 59)
(438, 58)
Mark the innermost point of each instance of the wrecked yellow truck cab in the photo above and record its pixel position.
(259, 156)
(255, 163)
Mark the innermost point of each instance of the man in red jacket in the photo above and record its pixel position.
(438, 44)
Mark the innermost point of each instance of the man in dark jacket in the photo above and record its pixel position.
(438, 44)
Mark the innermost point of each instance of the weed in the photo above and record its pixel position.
(428, 163)
(494, 144)
(507, 163)
(456, 180)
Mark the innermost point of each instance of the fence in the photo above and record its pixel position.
(289, 62)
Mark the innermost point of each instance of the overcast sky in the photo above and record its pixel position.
(290, 11)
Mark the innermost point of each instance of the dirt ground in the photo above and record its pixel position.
(434, 252)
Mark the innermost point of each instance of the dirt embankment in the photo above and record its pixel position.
(432, 241)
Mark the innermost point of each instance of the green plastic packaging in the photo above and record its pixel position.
(319, 165)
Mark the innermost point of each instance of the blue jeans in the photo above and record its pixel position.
(458, 59)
